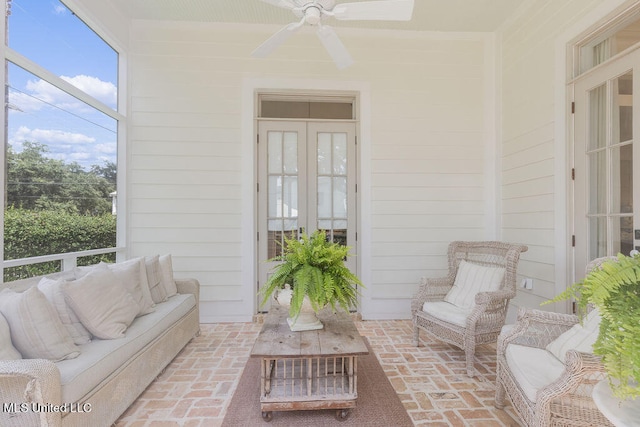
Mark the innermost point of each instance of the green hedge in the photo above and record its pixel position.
(29, 233)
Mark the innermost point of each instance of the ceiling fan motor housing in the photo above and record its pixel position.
(312, 11)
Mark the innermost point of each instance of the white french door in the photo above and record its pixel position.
(607, 186)
(307, 182)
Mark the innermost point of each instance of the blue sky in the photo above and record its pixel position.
(46, 32)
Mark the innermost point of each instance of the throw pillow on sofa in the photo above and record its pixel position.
(102, 303)
(52, 289)
(133, 274)
(36, 330)
(154, 277)
(167, 280)
(7, 350)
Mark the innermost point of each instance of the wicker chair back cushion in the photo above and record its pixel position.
(473, 278)
(533, 368)
(579, 337)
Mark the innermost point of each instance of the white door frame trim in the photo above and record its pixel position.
(253, 85)
(563, 196)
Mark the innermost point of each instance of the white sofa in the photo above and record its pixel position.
(82, 382)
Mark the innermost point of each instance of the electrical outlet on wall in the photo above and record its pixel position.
(527, 283)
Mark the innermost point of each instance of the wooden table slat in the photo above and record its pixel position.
(339, 337)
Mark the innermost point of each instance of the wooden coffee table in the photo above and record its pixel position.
(309, 369)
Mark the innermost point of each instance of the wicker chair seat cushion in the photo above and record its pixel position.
(532, 368)
(579, 337)
(100, 358)
(448, 312)
(7, 350)
(471, 279)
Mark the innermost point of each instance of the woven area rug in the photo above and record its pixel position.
(378, 404)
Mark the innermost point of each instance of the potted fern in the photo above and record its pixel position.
(315, 271)
(614, 289)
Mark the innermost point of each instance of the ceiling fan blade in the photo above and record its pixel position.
(383, 10)
(276, 40)
(334, 46)
(286, 4)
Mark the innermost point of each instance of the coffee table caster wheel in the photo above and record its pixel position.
(342, 414)
(267, 415)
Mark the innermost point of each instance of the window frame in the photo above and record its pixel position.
(69, 259)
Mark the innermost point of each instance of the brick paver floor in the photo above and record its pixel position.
(431, 380)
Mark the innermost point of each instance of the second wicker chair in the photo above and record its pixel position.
(469, 306)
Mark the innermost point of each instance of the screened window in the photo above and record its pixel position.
(61, 138)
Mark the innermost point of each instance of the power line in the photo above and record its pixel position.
(61, 109)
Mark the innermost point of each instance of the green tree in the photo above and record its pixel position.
(37, 182)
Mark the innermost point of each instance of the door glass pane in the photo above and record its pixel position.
(597, 237)
(622, 191)
(339, 236)
(597, 117)
(324, 153)
(597, 182)
(332, 184)
(325, 224)
(290, 162)
(282, 194)
(339, 197)
(623, 108)
(290, 197)
(340, 153)
(622, 234)
(275, 197)
(274, 152)
(324, 197)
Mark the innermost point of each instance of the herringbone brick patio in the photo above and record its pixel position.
(431, 380)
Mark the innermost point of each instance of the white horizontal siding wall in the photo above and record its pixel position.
(534, 157)
(424, 173)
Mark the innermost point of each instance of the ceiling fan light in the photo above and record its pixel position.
(312, 15)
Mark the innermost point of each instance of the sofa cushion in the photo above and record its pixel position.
(102, 303)
(447, 312)
(52, 289)
(133, 274)
(101, 358)
(532, 368)
(472, 279)
(580, 337)
(154, 277)
(36, 330)
(7, 350)
(168, 281)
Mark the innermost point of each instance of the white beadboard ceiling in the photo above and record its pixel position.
(428, 15)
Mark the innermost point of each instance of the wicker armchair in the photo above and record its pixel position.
(484, 320)
(566, 399)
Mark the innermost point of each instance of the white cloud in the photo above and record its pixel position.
(39, 91)
(59, 9)
(51, 136)
(108, 148)
(104, 91)
(48, 93)
(66, 146)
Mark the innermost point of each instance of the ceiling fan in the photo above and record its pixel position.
(313, 12)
